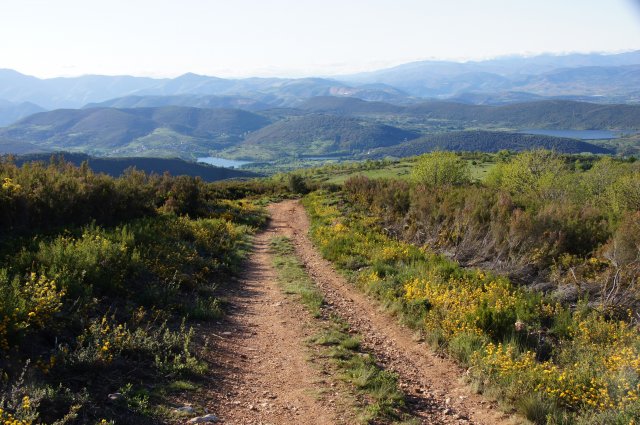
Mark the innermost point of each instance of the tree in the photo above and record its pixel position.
(297, 184)
(539, 173)
(441, 168)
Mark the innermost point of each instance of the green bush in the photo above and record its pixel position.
(441, 168)
(557, 364)
(96, 274)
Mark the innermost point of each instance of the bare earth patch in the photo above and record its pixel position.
(261, 369)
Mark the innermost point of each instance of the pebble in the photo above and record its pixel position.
(206, 419)
(186, 409)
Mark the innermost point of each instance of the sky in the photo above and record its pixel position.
(294, 38)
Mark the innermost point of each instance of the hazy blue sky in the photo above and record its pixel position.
(296, 37)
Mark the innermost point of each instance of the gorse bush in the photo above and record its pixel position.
(440, 169)
(96, 275)
(40, 197)
(533, 213)
(558, 364)
(27, 304)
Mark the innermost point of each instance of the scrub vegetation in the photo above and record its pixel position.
(523, 267)
(101, 280)
(528, 278)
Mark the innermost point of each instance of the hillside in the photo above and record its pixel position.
(563, 114)
(557, 114)
(18, 148)
(318, 135)
(165, 131)
(194, 101)
(116, 166)
(484, 141)
(11, 112)
(348, 106)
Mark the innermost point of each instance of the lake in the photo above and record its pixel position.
(578, 134)
(223, 162)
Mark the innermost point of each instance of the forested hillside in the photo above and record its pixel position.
(319, 126)
(560, 114)
(484, 141)
(318, 134)
(116, 167)
(162, 131)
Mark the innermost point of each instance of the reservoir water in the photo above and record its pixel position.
(223, 162)
(578, 134)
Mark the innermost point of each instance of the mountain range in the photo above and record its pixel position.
(386, 112)
(592, 77)
(607, 77)
(11, 111)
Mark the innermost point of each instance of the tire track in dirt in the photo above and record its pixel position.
(433, 385)
(260, 366)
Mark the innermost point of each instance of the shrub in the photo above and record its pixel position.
(441, 168)
(556, 363)
(297, 184)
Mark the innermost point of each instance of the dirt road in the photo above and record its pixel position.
(268, 378)
(264, 376)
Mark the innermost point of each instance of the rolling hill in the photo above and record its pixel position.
(11, 112)
(484, 141)
(117, 166)
(166, 131)
(348, 106)
(318, 135)
(319, 126)
(557, 114)
(18, 148)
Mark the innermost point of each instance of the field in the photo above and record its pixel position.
(339, 172)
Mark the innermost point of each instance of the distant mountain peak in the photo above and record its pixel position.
(606, 78)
